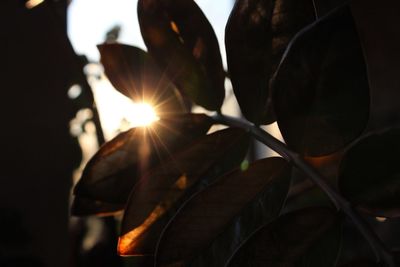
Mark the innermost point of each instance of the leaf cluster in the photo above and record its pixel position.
(188, 196)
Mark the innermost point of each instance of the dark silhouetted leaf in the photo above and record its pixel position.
(321, 92)
(325, 251)
(362, 263)
(257, 34)
(182, 41)
(160, 190)
(134, 73)
(112, 172)
(207, 214)
(323, 7)
(284, 241)
(309, 197)
(370, 176)
(303, 192)
(380, 41)
(82, 206)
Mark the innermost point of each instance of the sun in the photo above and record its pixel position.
(142, 114)
(119, 113)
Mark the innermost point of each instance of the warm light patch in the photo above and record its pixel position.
(142, 115)
(381, 219)
(117, 112)
(181, 183)
(128, 242)
(33, 3)
(174, 27)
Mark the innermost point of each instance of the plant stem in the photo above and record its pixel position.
(380, 250)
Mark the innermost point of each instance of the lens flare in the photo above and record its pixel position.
(141, 114)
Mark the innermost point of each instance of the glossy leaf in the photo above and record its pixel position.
(182, 41)
(207, 214)
(112, 172)
(321, 92)
(134, 73)
(370, 176)
(284, 241)
(159, 191)
(256, 36)
(82, 206)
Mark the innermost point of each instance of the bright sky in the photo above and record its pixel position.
(89, 20)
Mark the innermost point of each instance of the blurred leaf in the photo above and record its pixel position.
(158, 191)
(370, 176)
(82, 206)
(112, 172)
(257, 34)
(324, 252)
(182, 41)
(134, 73)
(321, 93)
(362, 263)
(285, 240)
(206, 215)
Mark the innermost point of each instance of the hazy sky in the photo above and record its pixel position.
(89, 20)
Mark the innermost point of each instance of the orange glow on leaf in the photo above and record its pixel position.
(174, 27)
(33, 3)
(127, 242)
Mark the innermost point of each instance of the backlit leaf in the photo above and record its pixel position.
(182, 41)
(208, 213)
(321, 92)
(257, 34)
(370, 176)
(112, 172)
(82, 206)
(284, 241)
(160, 190)
(134, 73)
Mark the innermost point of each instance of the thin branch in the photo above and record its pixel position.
(380, 250)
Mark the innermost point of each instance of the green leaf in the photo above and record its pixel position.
(207, 214)
(82, 206)
(182, 41)
(321, 92)
(256, 36)
(369, 174)
(112, 172)
(134, 73)
(284, 241)
(154, 198)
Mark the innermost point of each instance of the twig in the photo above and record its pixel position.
(380, 250)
